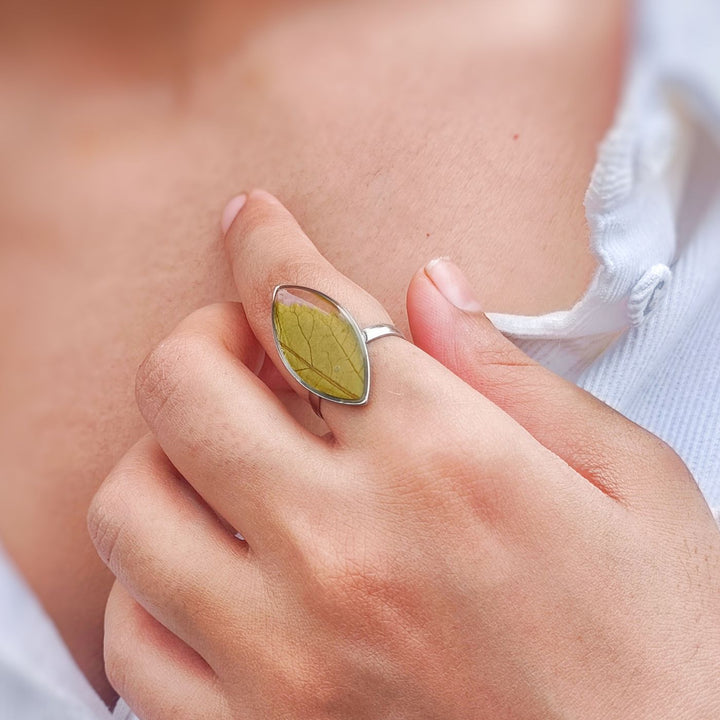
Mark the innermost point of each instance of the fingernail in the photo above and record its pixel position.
(231, 210)
(449, 279)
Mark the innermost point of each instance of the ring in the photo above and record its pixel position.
(322, 346)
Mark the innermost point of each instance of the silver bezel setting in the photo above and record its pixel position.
(362, 338)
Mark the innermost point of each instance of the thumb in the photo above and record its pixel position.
(595, 440)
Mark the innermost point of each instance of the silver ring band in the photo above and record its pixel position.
(377, 331)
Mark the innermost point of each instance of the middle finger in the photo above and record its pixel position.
(221, 426)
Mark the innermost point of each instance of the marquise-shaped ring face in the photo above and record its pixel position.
(320, 344)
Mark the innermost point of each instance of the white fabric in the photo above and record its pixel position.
(645, 338)
(38, 677)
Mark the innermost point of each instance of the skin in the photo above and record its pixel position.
(547, 559)
(475, 137)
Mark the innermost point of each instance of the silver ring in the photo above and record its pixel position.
(375, 332)
(322, 346)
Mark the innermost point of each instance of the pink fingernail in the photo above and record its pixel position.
(449, 279)
(231, 210)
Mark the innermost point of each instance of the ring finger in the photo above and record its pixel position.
(268, 249)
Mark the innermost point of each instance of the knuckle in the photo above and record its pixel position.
(365, 583)
(502, 356)
(332, 568)
(300, 270)
(118, 661)
(458, 482)
(113, 519)
(305, 685)
(320, 693)
(457, 454)
(104, 519)
(342, 577)
(163, 376)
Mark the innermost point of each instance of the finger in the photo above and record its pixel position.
(223, 428)
(594, 439)
(156, 673)
(267, 248)
(169, 549)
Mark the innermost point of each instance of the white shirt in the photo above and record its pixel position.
(645, 337)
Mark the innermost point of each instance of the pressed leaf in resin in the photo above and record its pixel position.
(319, 345)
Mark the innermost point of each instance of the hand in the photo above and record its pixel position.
(494, 545)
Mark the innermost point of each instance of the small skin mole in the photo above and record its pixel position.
(516, 136)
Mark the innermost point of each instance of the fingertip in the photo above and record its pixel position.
(234, 206)
(453, 284)
(259, 207)
(416, 292)
(429, 315)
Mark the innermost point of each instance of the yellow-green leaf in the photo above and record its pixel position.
(318, 345)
